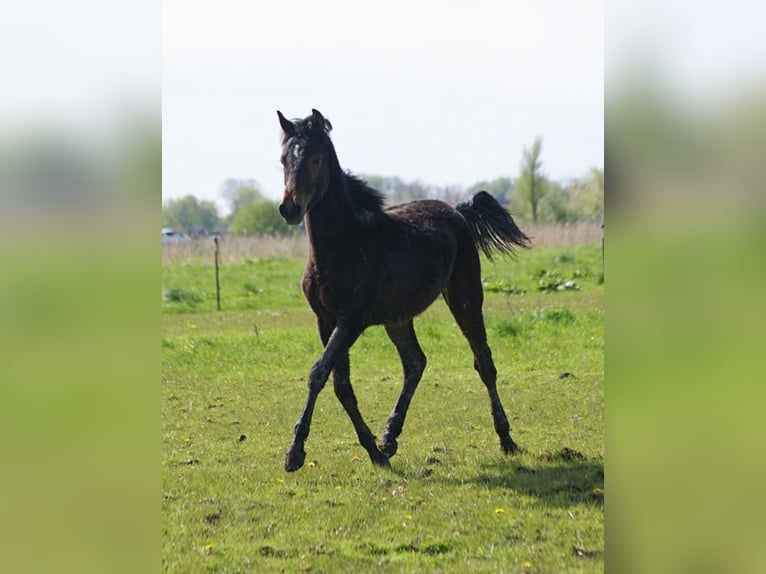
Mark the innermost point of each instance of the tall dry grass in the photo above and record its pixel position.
(545, 235)
(235, 249)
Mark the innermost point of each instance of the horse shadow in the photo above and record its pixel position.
(561, 479)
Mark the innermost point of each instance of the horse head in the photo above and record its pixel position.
(307, 159)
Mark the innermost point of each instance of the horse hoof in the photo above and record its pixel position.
(389, 448)
(509, 447)
(380, 459)
(294, 460)
(383, 463)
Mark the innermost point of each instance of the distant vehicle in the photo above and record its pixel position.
(171, 236)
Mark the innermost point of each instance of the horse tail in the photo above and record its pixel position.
(492, 227)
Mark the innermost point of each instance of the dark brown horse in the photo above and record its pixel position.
(370, 266)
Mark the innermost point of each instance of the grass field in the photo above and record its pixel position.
(234, 382)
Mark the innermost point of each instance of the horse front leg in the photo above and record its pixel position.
(345, 393)
(336, 347)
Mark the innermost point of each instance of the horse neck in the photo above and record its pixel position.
(331, 221)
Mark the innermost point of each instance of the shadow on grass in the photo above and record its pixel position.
(562, 479)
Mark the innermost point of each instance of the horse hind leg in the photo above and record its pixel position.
(464, 298)
(414, 363)
(486, 368)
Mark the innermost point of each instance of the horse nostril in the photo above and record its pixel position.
(289, 212)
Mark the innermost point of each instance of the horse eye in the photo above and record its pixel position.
(282, 160)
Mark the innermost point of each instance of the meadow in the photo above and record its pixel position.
(234, 382)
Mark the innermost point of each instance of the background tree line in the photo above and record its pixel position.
(532, 196)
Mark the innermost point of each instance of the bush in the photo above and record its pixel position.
(559, 317)
(260, 218)
(177, 295)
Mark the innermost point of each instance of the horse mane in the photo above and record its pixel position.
(363, 197)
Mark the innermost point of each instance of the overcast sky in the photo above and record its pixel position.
(448, 93)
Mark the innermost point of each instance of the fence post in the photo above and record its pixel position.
(602, 247)
(217, 283)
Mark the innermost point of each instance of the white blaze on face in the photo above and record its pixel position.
(296, 151)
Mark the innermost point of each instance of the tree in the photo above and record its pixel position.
(238, 194)
(587, 195)
(556, 205)
(532, 182)
(190, 213)
(260, 218)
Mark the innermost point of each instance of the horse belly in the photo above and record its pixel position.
(407, 291)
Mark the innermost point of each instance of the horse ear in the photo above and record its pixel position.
(318, 120)
(287, 126)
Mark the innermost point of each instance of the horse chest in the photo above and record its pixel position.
(337, 287)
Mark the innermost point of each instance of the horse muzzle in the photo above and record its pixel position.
(291, 212)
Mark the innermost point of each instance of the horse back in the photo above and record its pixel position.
(393, 268)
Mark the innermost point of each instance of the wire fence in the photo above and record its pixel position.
(238, 249)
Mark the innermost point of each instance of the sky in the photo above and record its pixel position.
(444, 93)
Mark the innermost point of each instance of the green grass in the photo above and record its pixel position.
(234, 383)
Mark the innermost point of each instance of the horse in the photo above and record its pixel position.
(369, 266)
